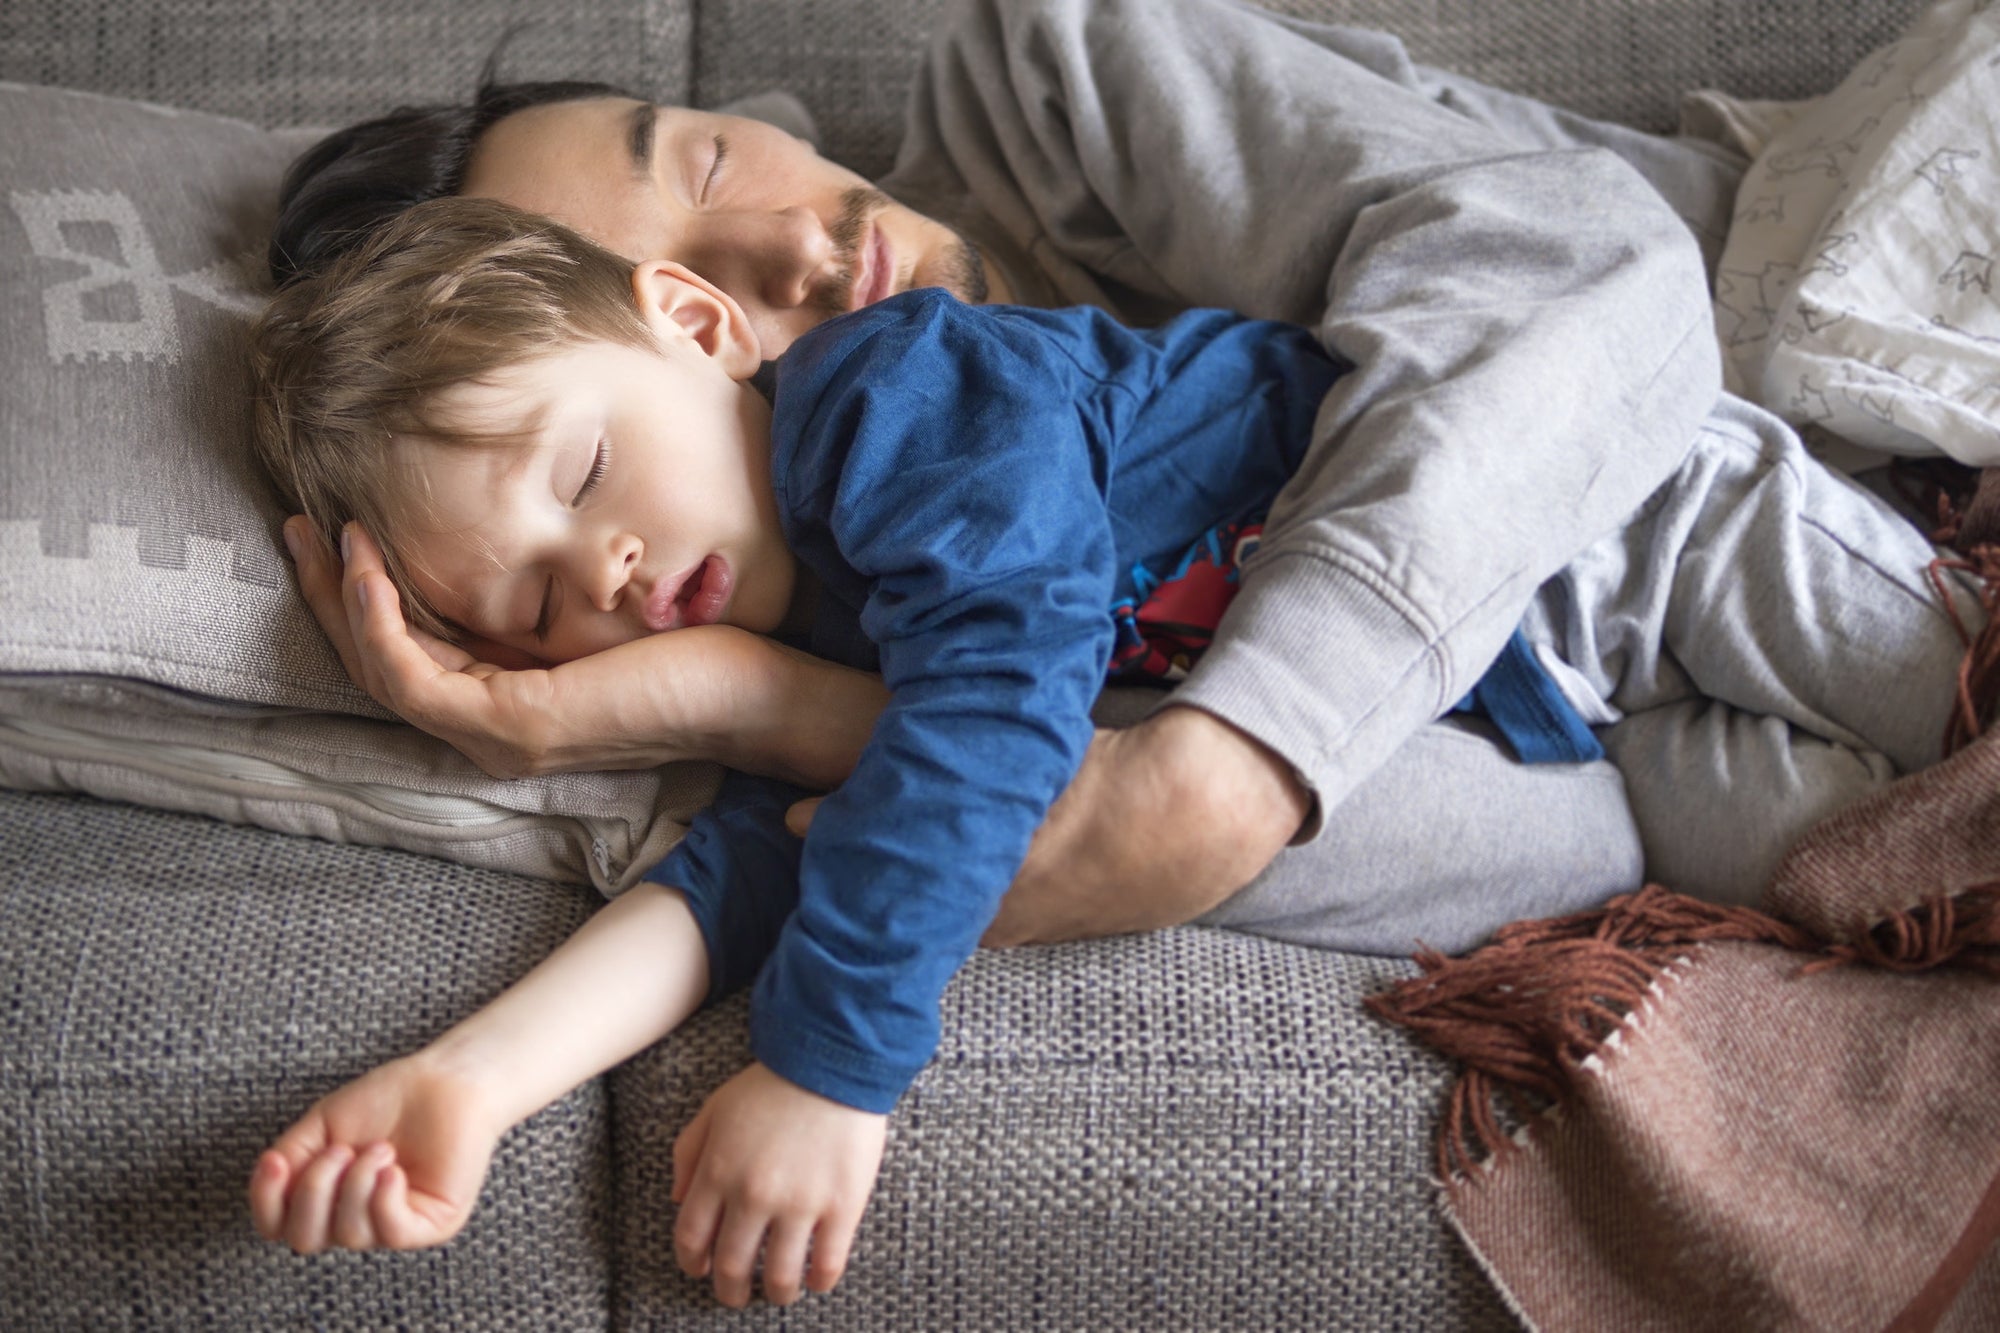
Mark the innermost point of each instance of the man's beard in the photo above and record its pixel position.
(960, 270)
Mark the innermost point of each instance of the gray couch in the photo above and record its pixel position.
(1191, 1130)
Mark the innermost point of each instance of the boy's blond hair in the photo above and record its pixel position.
(448, 292)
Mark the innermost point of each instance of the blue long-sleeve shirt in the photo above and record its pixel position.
(974, 489)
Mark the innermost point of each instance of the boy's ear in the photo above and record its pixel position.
(675, 301)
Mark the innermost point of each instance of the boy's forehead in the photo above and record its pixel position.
(513, 400)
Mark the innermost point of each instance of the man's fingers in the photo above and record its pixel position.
(800, 817)
(320, 585)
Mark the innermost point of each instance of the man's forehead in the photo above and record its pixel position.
(596, 134)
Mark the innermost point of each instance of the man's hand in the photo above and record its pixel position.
(768, 1167)
(1164, 821)
(706, 692)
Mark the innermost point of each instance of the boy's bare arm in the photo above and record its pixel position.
(394, 1159)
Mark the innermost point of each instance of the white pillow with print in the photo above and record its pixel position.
(1856, 290)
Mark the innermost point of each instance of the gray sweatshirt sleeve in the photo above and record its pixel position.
(1529, 325)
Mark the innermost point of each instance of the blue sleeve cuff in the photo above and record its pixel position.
(738, 868)
(852, 1078)
(1517, 695)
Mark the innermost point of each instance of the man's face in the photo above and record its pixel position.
(630, 495)
(796, 239)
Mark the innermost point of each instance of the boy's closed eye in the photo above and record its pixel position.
(495, 653)
(599, 461)
(545, 613)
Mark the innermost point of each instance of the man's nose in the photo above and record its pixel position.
(778, 256)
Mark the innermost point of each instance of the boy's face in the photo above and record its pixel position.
(638, 500)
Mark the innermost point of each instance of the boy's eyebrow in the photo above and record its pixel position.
(639, 137)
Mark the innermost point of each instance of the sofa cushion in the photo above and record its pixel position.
(327, 62)
(851, 61)
(1193, 1129)
(174, 992)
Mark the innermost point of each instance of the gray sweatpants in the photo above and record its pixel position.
(1766, 632)
(1762, 646)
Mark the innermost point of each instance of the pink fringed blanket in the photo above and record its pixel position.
(1734, 1120)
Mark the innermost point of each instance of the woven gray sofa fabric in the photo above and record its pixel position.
(174, 992)
(299, 62)
(1187, 1130)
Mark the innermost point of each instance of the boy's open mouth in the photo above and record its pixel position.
(697, 596)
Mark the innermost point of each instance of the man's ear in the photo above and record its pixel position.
(675, 301)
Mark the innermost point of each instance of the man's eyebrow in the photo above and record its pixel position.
(639, 137)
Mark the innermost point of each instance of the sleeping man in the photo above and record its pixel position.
(1531, 322)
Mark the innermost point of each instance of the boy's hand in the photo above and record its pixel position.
(392, 1160)
(767, 1166)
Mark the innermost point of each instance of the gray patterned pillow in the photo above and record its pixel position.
(152, 646)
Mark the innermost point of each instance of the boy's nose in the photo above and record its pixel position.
(613, 571)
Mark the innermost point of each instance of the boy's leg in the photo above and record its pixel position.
(1758, 580)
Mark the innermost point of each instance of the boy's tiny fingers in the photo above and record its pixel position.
(785, 1260)
(352, 1225)
(694, 1232)
(311, 1205)
(267, 1194)
(390, 1210)
(687, 1154)
(735, 1260)
(832, 1243)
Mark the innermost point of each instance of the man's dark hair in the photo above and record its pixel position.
(348, 183)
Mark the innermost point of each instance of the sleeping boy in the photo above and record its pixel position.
(995, 507)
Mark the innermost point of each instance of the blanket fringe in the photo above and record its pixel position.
(1523, 1015)
(1966, 508)
(1963, 930)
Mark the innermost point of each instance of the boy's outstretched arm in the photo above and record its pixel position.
(394, 1159)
